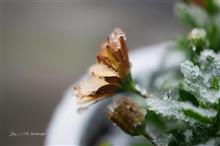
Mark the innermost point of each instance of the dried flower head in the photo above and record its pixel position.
(199, 2)
(126, 114)
(107, 76)
(114, 53)
(211, 6)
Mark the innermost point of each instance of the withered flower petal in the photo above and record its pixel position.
(107, 75)
(89, 87)
(199, 2)
(88, 100)
(125, 113)
(114, 53)
(93, 90)
(102, 71)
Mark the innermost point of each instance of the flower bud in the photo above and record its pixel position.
(126, 114)
(198, 37)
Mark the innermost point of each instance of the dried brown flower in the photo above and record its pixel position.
(200, 3)
(126, 114)
(114, 53)
(106, 76)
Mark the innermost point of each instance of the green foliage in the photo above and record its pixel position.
(192, 16)
(186, 96)
(211, 7)
(152, 117)
(196, 109)
(168, 108)
(215, 84)
(191, 114)
(199, 80)
(141, 144)
(206, 17)
(200, 114)
(105, 143)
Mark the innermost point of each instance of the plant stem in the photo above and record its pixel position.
(139, 91)
(128, 85)
(148, 137)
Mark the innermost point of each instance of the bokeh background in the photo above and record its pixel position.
(46, 45)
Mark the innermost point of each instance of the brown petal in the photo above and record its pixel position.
(91, 99)
(102, 71)
(108, 74)
(105, 57)
(119, 51)
(114, 38)
(121, 65)
(86, 101)
(89, 87)
(199, 2)
(124, 51)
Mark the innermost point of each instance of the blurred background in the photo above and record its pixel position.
(47, 45)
